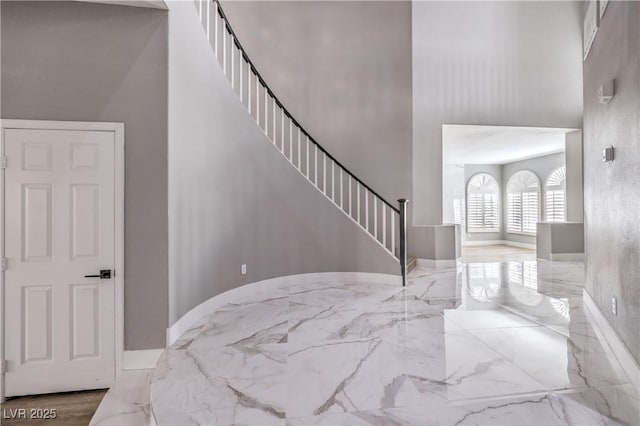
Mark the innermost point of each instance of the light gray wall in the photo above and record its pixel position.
(343, 69)
(542, 167)
(453, 182)
(435, 242)
(90, 62)
(574, 179)
(612, 191)
(494, 170)
(233, 198)
(555, 238)
(489, 63)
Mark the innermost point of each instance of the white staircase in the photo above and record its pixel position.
(382, 221)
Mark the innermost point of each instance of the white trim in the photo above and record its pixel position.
(606, 334)
(499, 242)
(208, 306)
(566, 256)
(441, 263)
(118, 130)
(483, 243)
(141, 360)
(519, 244)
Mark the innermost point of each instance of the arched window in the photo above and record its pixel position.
(555, 192)
(523, 202)
(482, 204)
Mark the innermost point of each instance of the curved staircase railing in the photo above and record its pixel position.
(384, 222)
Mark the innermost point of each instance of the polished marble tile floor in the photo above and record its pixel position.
(127, 402)
(496, 253)
(484, 343)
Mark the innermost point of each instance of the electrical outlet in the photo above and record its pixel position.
(243, 269)
(614, 306)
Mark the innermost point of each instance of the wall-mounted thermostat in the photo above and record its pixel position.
(607, 154)
(605, 93)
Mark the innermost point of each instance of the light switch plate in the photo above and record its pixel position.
(243, 269)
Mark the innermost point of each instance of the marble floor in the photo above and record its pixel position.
(127, 402)
(484, 343)
(496, 253)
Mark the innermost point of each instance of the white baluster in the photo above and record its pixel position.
(299, 164)
(274, 129)
(208, 20)
(366, 208)
(249, 72)
(333, 180)
(266, 112)
(375, 217)
(291, 140)
(215, 28)
(393, 233)
(384, 225)
(315, 165)
(350, 196)
(358, 202)
(233, 60)
(307, 152)
(241, 77)
(224, 49)
(257, 100)
(282, 132)
(324, 174)
(341, 189)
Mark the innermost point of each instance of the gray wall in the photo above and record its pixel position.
(343, 69)
(490, 63)
(90, 62)
(575, 180)
(440, 242)
(542, 167)
(453, 182)
(233, 198)
(612, 193)
(555, 238)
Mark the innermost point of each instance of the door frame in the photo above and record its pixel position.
(118, 130)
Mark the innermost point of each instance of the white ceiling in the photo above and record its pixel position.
(462, 144)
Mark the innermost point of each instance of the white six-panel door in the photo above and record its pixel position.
(59, 228)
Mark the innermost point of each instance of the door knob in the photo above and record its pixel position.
(105, 274)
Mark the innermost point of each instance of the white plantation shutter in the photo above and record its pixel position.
(523, 202)
(482, 204)
(555, 196)
(514, 212)
(530, 211)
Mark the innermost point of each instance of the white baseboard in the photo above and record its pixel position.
(187, 320)
(607, 335)
(442, 263)
(140, 360)
(482, 243)
(520, 245)
(499, 242)
(567, 256)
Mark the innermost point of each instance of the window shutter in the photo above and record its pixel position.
(555, 197)
(482, 204)
(523, 202)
